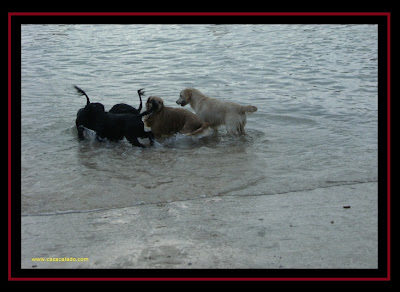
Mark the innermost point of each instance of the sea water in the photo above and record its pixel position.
(315, 87)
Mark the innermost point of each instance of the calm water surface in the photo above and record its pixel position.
(315, 87)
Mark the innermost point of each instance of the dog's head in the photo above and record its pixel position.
(154, 103)
(184, 97)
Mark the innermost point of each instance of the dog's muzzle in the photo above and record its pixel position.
(181, 102)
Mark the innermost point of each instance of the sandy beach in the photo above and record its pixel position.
(331, 227)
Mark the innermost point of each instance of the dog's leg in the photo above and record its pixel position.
(100, 139)
(242, 124)
(150, 135)
(135, 142)
(80, 129)
(232, 131)
(199, 130)
(232, 124)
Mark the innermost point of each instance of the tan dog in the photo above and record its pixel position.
(165, 121)
(216, 112)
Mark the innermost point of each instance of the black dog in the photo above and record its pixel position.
(112, 126)
(123, 108)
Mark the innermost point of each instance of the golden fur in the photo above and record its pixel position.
(165, 121)
(216, 112)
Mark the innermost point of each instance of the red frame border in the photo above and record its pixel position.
(387, 14)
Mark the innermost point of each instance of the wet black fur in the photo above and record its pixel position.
(122, 108)
(111, 126)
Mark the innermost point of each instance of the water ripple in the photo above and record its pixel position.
(315, 87)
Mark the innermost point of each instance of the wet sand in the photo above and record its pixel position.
(330, 227)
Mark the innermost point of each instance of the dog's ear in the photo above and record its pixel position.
(154, 104)
(188, 94)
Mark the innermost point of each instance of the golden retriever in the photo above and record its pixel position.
(165, 121)
(216, 112)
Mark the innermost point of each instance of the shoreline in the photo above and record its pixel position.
(334, 228)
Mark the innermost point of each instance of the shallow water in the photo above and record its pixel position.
(315, 87)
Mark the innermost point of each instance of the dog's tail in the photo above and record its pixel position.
(140, 93)
(145, 113)
(81, 92)
(248, 109)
